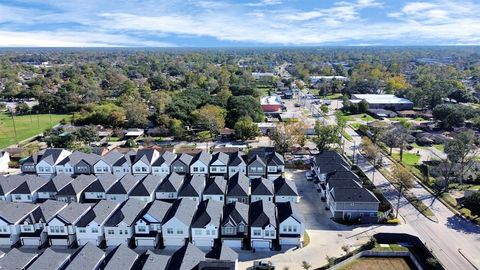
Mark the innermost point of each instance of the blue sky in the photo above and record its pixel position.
(208, 23)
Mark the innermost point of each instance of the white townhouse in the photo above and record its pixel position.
(11, 214)
(73, 191)
(61, 228)
(192, 187)
(219, 163)
(148, 228)
(119, 228)
(263, 224)
(89, 228)
(105, 164)
(120, 190)
(124, 164)
(237, 164)
(50, 188)
(48, 160)
(262, 189)
(169, 187)
(7, 185)
(234, 226)
(161, 166)
(285, 191)
(200, 162)
(215, 189)
(206, 223)
(98, 188)
(76, 163)
(176, 224)
(142, 163)
(28, 190)
(291, 224)
(145, 190)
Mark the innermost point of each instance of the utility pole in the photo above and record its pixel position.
(373, 173)
(14, 127)
(398, 201)
(354, 148)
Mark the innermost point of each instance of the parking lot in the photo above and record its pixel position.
(326, 236)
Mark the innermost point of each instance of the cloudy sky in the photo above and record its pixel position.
(209, 23)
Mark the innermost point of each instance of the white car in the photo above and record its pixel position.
(309, 176)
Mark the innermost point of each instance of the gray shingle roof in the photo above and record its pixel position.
(236, 159)
(126, 159)
(147, 186)
(343, 184)
(111, 157)
(52, 155)
(78, 156)
(167, 157)
(238, 185)
(99, 213)
(185, 159)
(192, 186)
(17, 259)
(73, 212)
(155, 261)
(88, 257)
(172, 183)
(223, 253)
(288, 209)
(284, 187)
(47, 211)
(208, 212)
(235, 213)
(123, 258)
(123, 186)
(57, 183)
(31, 183)
(77, 185)
(186, 258)
(51, 259)
(262, 213)
(14, 212)
(102, 184)
(342, 174)
(330, 161)
(215, 186)
(127, 213)
(203, 157)
(183, 210)
(353, 195)
(158, 210)
(220, 156)
(145, 155)
(262, 186)
(8, 184)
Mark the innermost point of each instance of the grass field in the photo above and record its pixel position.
(378, 264)
(408, 158)
(27, 126)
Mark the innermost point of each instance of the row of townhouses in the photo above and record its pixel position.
(197, 187)
(209, 223)
(90, 257)
(342, 189)
(262, 162)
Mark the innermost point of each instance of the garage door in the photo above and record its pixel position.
(173, 242)
(203, 243)
(59, 242)
(5, 241)
(31, 242)
(116, 241)
(290, 241)
(145, 242)
(82, 242)
(233, 243)
(260, 244)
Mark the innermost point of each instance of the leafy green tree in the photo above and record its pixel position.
(461, 151)
(86, 134)
(473, 203)
(241, 106)
(136, 113)
(176, 128)
(246, 129)
(449, 115)
(327, 136)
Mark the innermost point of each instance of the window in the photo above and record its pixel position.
(41, 169)
(3, 228)
(60, 170)
(94, 230)
(121, 232)
(179, 231)
(221, 198)
(159, 227)
(111, 232)
(284, 229)
(289, 228)
(169, 230)
(82, 230)
(259, 169)
(142, 228)
(208, 232)
(137, 169)
(18, 197)
(272, 169)
(214, 169)
(57, 229)
(52, 229)
(62, 229)
(195, 169)
(202, 169)
(222, 169)
(241, 228)
(105, 169)
(198, 232)
(294, 228)
(144, 169)
(228, 230)
(155, 170)
(27, 228)
(257, 232)
(171, 195)
(47, 169)
(352, 204)
(253, 169)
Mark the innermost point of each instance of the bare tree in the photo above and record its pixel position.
(404, 179)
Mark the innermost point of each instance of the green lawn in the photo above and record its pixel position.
(408, 158)
(334, 96)
(27, 126)
(439, 147)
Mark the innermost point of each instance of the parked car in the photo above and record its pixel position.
(309, 176)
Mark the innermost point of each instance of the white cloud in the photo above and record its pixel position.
(263, 3)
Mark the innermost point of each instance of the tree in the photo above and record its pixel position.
(326, 136)
(363, 106)
(449, 115)
(306, 265)
(403, 179)
(240, 106)
(246, 129)
(473, 203)
(86, 134)
(136, 113)
(160, 100)
(370, 150)
(461, 151)
(287, 135)
(210, 117)
(176, 128)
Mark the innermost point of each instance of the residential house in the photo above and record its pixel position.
(169, 187)
(90, 227)
(32, 228)
(206, 223)
(73, 191)
(176, 224)
(275, 165)
(148, 228)
(234, 224)
(291, 224)
(77, 163)
(142, 163)
(28, 165)
(98, 188)
(124, 164)
(50, 188)
(119, 228)
(48, 159)
(18, 259)
(7, 185)
(262, 189)
(219, 164)
(52, 259)
(200, 162)
(154, 260)
(265, 162)
(11, 215)
(105, 164)
(61, 228)
(89, 257)
(181, 164)
(187, 257)
(263, 224)
(123, 258)
(162, 165)
(28, 190)
(145, 190)
(192, 187)
(120, 190)
(236, 164)
(340, 179)
(285, 191)
(256, 166)
(220, 257)
(238, 188)
(353, 204)
(329, 162)
(4, 161)
(215, 189)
